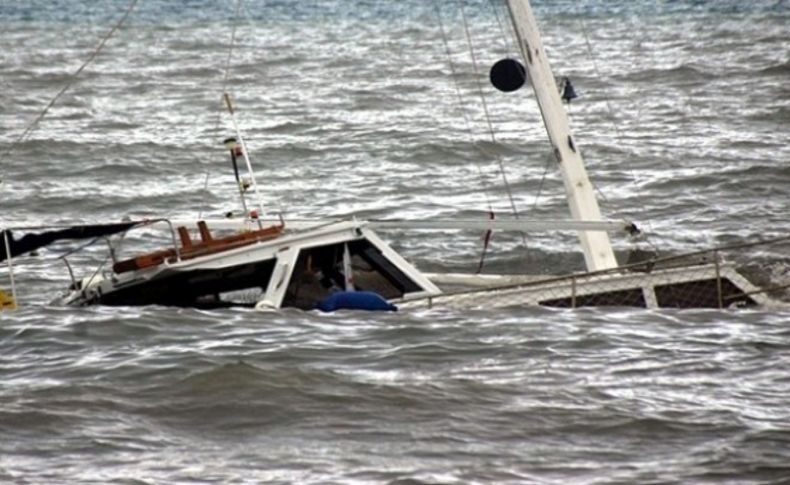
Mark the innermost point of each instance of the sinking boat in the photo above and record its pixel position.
(271, 264)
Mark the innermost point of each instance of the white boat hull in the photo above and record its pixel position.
(694, 286)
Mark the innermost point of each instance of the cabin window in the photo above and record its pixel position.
(319, 272)
(205, 288)
(624, 298)
(239, 285)
(701, 294)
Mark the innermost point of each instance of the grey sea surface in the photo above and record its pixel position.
(351, 108)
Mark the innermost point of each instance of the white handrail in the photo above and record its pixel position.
(439, 224)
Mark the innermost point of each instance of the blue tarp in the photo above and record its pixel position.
(356, 300)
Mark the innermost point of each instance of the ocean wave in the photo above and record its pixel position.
(781, 69)
(679, 73)
(517, 395)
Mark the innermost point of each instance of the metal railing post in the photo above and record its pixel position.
(573, 292)
(10, 268)
(173, 236)
(718, 279)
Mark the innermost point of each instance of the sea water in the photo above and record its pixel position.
(350, 107)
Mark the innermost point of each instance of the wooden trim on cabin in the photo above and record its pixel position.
(190, 250)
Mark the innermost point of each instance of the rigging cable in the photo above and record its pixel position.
(510, 35)
(489, 124)
(591, 52)
(73, 79)
(248, 18)
(224, 86)
(546, 166)
(227, 65)
(459, 96)
(617, 130)
(507, 34)
(606, 101)
(487, 115)
(488, 234)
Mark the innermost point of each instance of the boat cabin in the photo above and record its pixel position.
(264, 268)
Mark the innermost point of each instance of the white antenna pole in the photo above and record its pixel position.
(246, 157)
(598, 253)
(232, 147)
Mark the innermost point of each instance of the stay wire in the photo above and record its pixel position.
(509, 34)
(480, 91)
(226, 74)
(616, 127)
(490, 125)
(606, 99)
(71, 81)
(467, 123)
(594, 60)
(543, 180)
(225, 77)
(509, 43)
(249, 20)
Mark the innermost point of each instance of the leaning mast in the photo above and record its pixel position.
(598, 253)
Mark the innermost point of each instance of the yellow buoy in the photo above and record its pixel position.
(6, 301)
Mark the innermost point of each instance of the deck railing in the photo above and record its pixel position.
(721, 278)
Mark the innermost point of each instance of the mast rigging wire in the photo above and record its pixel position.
(489, 233)
(617, 129)
(543, 179)
(225, 77)
(227, 65)
(490, 125)
(71, 82)
(459, 96)
(507, 35)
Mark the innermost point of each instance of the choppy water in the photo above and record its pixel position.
(348, 107)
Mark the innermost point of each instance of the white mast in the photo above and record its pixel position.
(250, 171)
(597, 248)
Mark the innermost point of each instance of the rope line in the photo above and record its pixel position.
(490, 125)
(488, 234)
(460, 99)
(485, 107)
(543, 179)
(605, 99)
(225, 77)
(507, 34)
(73, 79)
(618, 131)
